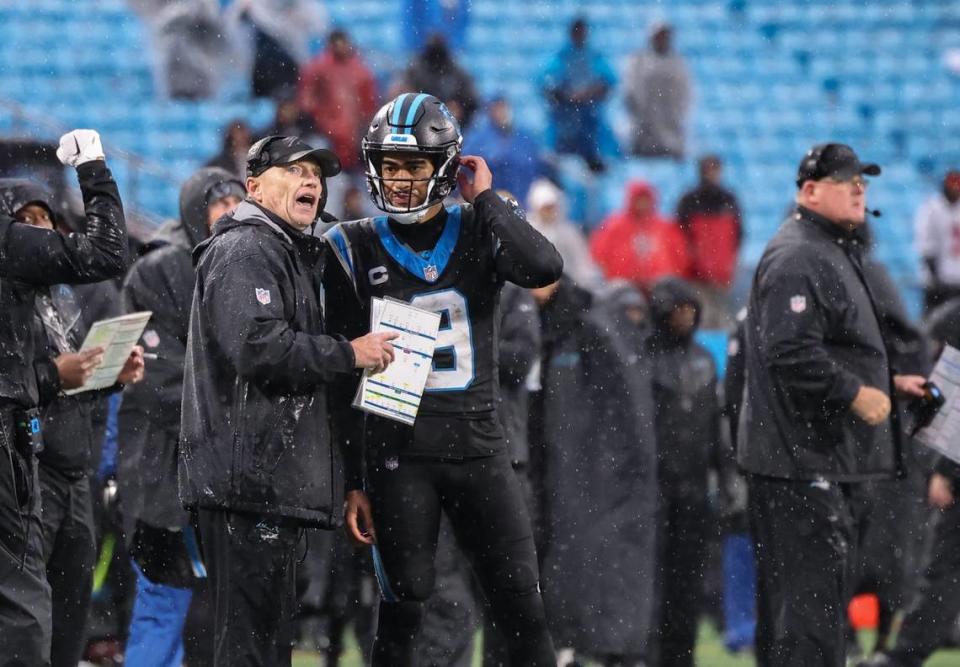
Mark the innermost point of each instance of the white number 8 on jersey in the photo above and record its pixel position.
(455, 335)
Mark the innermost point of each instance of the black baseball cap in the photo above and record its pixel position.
(278, 150)
(837, 161)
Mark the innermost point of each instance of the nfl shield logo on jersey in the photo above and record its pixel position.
(798, 303)
(431, 273)
(263, 295)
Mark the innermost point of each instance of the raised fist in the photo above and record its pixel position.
(80, 146)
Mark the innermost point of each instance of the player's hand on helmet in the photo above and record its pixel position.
(358, 518)
(373, 351)
(482, 179)
(871, 405)
(79, 147)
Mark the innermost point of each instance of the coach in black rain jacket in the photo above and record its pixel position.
(816, 422)
(254, 389)
(813, 339)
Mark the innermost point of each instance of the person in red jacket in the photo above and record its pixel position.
(638, 244)
(709, 216)
(339, 91)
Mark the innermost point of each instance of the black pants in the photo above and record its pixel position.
(25, 604)
(69, 551)
(250, 563)
(682, 538)
(805, 537)
(483, 500)
(931, 616)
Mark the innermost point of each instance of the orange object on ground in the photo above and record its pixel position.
(864, 612)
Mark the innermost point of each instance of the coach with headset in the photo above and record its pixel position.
(816, 423)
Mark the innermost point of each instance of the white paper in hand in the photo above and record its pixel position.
(396, 392)
(117, 336)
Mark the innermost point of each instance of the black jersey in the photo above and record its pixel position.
(479, 248)
(456, 279)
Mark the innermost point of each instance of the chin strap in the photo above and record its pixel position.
(409, 218)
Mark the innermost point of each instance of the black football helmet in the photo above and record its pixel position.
(415, 123)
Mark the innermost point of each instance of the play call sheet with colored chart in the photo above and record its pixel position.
(396, 392)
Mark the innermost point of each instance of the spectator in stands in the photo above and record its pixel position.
(279, 32)
(428, 17)
(237, 138)
(290, 120)
(657, 96)
(339, 92)
(190, 48)
(575, 84)
(638, 244)
(435, 71)
(547, 212)
(508, 150)
(709, 217)
(937, 231)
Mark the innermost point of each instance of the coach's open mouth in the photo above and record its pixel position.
(306, 201)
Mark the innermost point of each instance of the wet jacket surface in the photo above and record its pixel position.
(598, 479)
(685, 393)
(255, 434)
(813, 339)
(71, 433)
(31, 258)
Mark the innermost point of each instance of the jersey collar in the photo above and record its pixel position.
(428, 265)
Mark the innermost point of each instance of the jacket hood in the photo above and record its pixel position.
(194, 197)
(636, 189)
(622, 294)
(15, 193)
(246, 214)
(666, 295)
(544, 193)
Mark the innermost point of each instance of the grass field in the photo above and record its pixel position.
(710, 653)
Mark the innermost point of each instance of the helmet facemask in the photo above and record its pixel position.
(439, 184)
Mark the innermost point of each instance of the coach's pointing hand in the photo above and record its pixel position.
(358, 517)
(373, 351)
(871, 405)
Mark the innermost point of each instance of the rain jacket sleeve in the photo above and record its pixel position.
(44, 257)
(793, 321)
(250, 301)
(524, 256)
(48, 379)
(345, 318)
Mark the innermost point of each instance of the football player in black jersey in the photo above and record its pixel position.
(453, 261)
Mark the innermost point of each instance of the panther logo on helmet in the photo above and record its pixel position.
(421, 124)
